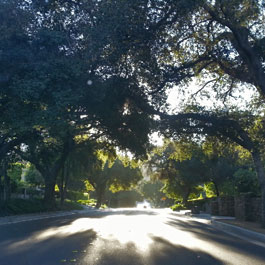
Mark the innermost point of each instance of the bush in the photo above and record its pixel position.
(75, 195)
(90, 202)
(21, 206)
(69, 205)
(178, 207)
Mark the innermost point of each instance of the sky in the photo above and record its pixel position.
(177, 100)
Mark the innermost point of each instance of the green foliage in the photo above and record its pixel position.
(123, 177)
(33, 176)
(246, 181)
(196, 192)
(131, 52)
(14, 173)
(91, 202)
(178, 207)
(152, 191)
(209, 190)
(180, 165)
(20, 206)
(126, 198)
(69, 205)
(75, 195)
(110, 175)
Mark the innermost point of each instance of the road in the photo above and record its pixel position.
(123, 237)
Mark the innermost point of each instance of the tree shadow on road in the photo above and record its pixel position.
(217, 237)
(166, 253)
(160, 252)
(52, 250)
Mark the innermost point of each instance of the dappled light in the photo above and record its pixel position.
(137, 229)
(132, 236)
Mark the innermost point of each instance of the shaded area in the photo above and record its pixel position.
(26, 242)
(209, 234)
(122, 237)
(22, 245)
(160, 252)
(164, 252)
(254, 226)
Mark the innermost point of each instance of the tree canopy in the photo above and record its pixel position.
(100, 71)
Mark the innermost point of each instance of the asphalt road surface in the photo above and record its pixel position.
(123, 237)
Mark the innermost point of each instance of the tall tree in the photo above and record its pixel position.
(181, 167)
(58, 76)
(116, 177)
(221, 161)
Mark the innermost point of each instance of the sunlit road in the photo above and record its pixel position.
(123, 237)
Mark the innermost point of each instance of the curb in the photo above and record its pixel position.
(32, 217)
(252, 236)
(243, 233)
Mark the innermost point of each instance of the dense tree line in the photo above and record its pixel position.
(190, 170)
(58, 87)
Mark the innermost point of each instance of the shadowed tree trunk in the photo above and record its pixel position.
(261, 176)
(216, 189)
(1, 187)
(64, 183)
(61, 186)
(49, 198)
(50, 171)
(50, 177)
(100, 196)
(186, 196)
(5, 184)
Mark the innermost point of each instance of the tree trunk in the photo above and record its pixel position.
(100, 194)
(261, 176)
(216, 189)
(185, 197)
(64, 183)
(50, 177)
(6, 191)
(62, 188)
(49, 199)
(1, 191)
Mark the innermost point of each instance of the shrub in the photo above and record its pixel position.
(21, 206)
(70, 205)
(90, 202)
(178, 207)
(75, 195)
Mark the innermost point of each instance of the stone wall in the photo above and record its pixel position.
(240, 207)
(214, 209)
(226, 206)
(255, 209)
(243, 207)
(248, 208)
